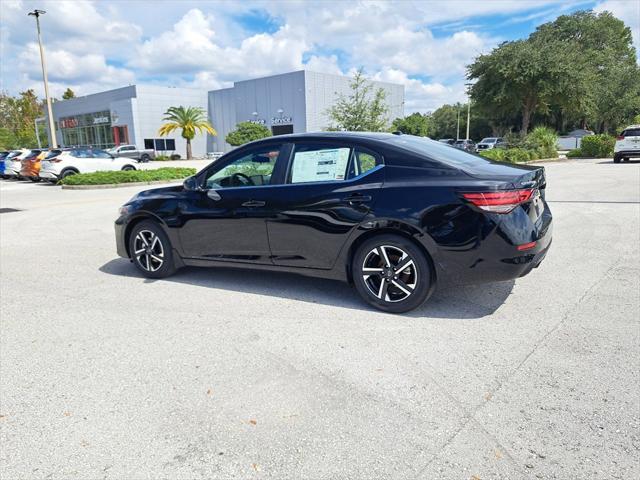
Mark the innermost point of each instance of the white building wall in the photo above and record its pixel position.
(153, 101)
(323, 90)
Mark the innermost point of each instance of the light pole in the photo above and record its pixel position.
(458, 127)
(468, 108)
(54, 143)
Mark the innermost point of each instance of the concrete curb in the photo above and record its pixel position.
(120, 185)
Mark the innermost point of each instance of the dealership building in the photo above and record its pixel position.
(288, 103)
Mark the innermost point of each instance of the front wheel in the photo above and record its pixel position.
(391, 273)
(150, 250)
(128, 168)
(616, 159)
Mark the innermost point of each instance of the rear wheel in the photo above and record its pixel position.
(151, 250)
(35, 179)
(145, 158)
(391, 273)
(128, 168)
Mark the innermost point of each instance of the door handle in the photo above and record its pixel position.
(358, 198)
(253, 203)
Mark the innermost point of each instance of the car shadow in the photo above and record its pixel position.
(621, 163)
(449, 301)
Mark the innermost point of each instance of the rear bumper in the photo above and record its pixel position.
(627, 153)
(496, 257)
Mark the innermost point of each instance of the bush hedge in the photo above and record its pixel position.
(129, 176)
(162, 158)
(597, 146)
(514, 155)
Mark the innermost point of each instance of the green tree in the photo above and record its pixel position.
(363, 110)
(246, 132)
(190, 120)
(17, 120)
(417, 124)
(68, 93)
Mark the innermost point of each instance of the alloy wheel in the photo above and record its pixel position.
(389, 273)
(148, 250)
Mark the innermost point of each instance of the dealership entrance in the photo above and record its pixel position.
(89, 129)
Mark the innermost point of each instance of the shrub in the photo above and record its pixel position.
(129, 176)
(598, 146)
(175, 156)
(544, 140)
(516, 155)
(494, 154)
(246, 132)
(575, 153)
(162, 158)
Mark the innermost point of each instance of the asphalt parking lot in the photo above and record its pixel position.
(235, 374)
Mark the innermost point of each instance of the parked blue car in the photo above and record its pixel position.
(5, 158)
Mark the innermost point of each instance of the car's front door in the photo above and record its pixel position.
(226, 220)
(329, 190)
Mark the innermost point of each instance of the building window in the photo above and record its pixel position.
(148, 144)
(160, 146)
(171, 144)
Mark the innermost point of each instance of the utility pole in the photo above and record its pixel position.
(54, 143)
(458, 127)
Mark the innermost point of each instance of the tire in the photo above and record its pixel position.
(158, 252)
(145, 158)
(403, 292)
(35, 179)
(128, 168)
(616, 159)
(625, 159)
(67, 173)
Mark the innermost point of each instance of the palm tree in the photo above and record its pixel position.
(188, 119)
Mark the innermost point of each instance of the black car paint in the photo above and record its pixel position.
(314, 228)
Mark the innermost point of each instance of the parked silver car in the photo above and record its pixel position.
(130, 151)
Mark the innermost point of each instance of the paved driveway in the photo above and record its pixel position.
(234, 374)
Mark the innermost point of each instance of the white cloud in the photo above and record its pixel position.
(191, 47)
(324, 64)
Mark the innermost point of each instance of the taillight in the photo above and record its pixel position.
(620, 137)
(499, 202)
(54, 160)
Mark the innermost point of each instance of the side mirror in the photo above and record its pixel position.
(191, 184)
(213, 195)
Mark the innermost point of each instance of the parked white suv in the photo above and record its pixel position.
(82, 160)
(14, 165)
(627, 144)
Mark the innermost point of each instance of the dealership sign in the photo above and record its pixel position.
(70, 122)
(100, 120)
(281, 120)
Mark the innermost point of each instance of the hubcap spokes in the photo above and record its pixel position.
(148, 250)
(389, 273)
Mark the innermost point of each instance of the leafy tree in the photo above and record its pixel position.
(17, 120)
(68, 93)
(417, 124)
(246, 132)
(579, 70)
(190, 120)
(363, 110)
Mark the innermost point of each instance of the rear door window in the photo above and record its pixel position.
(319, 163)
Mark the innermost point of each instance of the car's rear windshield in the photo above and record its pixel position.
(489, 140)
(631, 132)
(437, 151)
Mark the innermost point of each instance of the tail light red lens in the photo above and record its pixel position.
(526, 246)
(499, 202)
(620, 137)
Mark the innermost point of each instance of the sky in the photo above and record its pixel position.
(98, 45)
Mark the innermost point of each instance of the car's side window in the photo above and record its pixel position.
(100, 154)
(254, 168)
(319, 163)
(81, 153)
(363, 162)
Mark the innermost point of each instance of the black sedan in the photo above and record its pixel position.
(391, 214)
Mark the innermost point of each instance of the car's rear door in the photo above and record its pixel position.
(330, 188)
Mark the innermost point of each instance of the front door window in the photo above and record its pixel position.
(252, 169)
